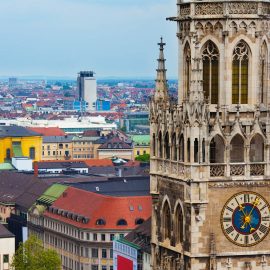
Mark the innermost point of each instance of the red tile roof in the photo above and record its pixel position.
(96, 206)
(48, 131)
(98, 162)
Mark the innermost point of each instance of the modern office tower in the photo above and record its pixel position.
(12, 82)
(87, 86)
(210, 167)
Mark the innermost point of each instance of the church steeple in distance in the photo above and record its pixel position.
(161, 92)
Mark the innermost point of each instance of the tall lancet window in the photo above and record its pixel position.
(210, 57)
(240, 72)
(187, 68)
(264, 74)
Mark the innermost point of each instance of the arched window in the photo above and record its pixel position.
(237, 149)
(174, 149)
(100, 222)
(240, 73)
(196, 150)
(139, 221)
(217, 150)
(264, 73)
(181, 148)
(160, 145)
(121, 222)
(179, 225)
(154, 145)
(256, 152)
(203, 150)
(167, 146)
(166, 216)
(32, 153)
(187, 68)
(210, 57)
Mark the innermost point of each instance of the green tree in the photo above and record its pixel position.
(143, 158)
(31, 255)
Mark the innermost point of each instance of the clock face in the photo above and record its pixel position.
(245, 218)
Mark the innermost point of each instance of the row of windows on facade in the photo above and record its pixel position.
(241, 72)
(60, 146)
(69, 263)
(68, 230)
(55, 153)
(217, 149)
(79, 250)
(32, 153)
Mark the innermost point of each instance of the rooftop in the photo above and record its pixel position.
(48, 131)
(120, 186)
(4, 232)
(16, 131)
(57, 139)
(94, 211)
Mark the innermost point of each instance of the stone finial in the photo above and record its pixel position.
(161, 91)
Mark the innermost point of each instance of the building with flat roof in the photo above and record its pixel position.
(87, 87)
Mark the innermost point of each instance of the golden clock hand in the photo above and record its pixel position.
(255, 203)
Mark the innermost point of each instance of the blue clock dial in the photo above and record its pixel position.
(245, 218)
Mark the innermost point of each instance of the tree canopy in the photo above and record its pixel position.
(31, 255)
(143, 158)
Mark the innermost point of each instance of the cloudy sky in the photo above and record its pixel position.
(62, 37)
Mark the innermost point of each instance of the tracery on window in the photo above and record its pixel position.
(240, 72)
(210, 57)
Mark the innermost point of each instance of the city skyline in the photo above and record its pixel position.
(45, 39)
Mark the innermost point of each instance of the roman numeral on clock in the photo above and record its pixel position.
(246, 239)
(263, 229)
(267, 218)
(246, 198)
(236, 237)
(229, 230)
(256, 237)
(227, 219)
(229, 208)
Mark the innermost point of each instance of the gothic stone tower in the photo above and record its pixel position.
(210, 167)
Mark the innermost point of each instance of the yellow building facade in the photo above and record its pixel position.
(19, 142)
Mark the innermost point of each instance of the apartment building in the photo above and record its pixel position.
(81, 226)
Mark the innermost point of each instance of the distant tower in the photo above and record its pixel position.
(87, 87)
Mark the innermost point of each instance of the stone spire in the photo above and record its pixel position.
(161, 92)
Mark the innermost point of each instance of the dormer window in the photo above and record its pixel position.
(121, 222)
(100, 222)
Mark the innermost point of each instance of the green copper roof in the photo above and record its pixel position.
(52, 194)
(141, 139)
(124, 241)
(6, 166)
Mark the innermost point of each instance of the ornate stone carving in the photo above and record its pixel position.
(239, 184)
(237, 170)
(265, 8)
(243, 8)
(217, 170)
(257, 169)
(185, 10)
(209, 9)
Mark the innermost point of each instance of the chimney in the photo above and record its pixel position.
(35, 165)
